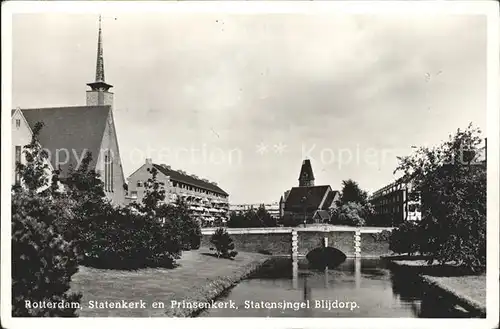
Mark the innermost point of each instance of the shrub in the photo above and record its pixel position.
(43, 261)
(289, 220)
(122, 239)
(383, 236)
(223, 244)
(405, 239)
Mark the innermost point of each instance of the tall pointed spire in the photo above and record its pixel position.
(99, 84)
(99, 70)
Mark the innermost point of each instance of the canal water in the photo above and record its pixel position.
(356, 288)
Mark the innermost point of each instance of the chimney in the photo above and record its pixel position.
(149, 161)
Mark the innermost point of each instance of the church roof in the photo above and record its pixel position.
(69, 132)
(311, 195)
(187, 179)
(330, 198)
(306, 171)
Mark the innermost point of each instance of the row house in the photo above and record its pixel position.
(207, 201)
(396, 203)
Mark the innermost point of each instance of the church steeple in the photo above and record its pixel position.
(99, 93)
(306, 176)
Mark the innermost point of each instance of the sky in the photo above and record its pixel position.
(242, 99)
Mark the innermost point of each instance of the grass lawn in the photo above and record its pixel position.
(469, 286)
(197, 278)
(452, 279)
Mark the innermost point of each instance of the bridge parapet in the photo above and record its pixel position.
(298, 241)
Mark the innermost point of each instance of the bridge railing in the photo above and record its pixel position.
(317, 228)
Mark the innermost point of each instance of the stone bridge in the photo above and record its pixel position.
(355, 242)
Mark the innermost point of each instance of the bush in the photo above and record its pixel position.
(289, 220)
(405, 239)
(383, 236)
(43, 261)
(223, 243)
(122, 239)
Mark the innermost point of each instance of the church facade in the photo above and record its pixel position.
(308, 202)
(71, 133)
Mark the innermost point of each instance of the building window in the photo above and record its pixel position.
(18, 160)
(112, 181)
(108, 173)
(18, 123)
(139, 183)
(133, 194)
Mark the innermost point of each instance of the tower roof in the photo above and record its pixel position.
(99, 83)
(306, 172)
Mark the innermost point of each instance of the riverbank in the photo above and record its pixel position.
(468, 289)
(200, 277)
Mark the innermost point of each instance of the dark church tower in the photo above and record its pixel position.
(99, 93)
(306, 177)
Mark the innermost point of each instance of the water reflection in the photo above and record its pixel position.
(357, 272)
(295, 274)
(377, 291)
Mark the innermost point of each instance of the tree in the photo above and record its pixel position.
(154, 194)
(252, 218)
(452, 187)
(223, 244)
(34, 173)
(351, 192)
(43, 260)
(183, 225)
(236, 220)
(265, 217)
(85, 189)
(406, 238)
(351, 214)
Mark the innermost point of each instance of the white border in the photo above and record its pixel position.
(488, 8)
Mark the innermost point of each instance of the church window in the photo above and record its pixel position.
(18, 123)
(112, 185)
(106, 174)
